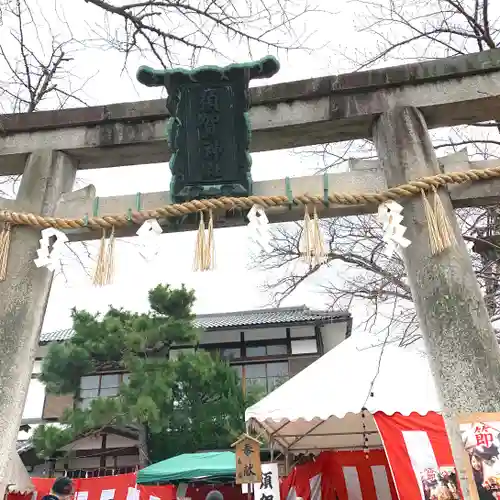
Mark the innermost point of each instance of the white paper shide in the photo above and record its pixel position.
(148, 235)
(49, 253)
(259, 226)
(390, 216)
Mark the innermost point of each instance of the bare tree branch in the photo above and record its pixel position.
(356, 268)
(166, 27)
(36, 73)
(32, 72)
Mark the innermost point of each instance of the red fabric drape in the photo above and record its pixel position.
(330, 467)
(415, 445)
(92, 488)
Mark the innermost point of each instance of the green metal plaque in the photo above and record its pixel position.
(209, 130)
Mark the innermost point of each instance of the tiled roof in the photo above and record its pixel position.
(58, 335)
(284, 315)
(23, 446)
(241, 319)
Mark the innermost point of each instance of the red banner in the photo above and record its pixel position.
(419, 456)
(104, 488)
(345, 475)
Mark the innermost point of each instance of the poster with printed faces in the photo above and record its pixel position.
(269, 486)
(480, 434)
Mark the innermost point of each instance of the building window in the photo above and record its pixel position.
(225, 353)
(265, 334)
(239, 370)
(266, 350)
(95, 386)
(265, 375)
(230, 353)
(306, 346)
(174, 353)
(37, 368)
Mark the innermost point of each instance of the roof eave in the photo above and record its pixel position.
(287, 324)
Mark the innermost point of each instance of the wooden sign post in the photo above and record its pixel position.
(248, 467)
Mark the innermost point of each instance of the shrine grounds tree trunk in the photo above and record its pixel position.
(143, 446)
(461, 344)
(404, 30)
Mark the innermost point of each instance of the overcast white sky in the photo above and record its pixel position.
(231, 286)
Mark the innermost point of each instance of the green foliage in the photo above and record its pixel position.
(49, 438)
(206, 409)
(192, 403)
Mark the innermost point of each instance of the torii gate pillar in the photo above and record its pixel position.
(460, 341)
(24, 294)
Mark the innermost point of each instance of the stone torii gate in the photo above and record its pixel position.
(394, 106)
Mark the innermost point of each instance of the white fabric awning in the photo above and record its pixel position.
(321, 407)
(19, 480)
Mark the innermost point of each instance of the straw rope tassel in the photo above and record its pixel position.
(210, 245)
(109, 263)
(4, 250)
(306, 239)
(101, 261)
(199, 253)
(443, 223)
(318, 243)
(435, 241)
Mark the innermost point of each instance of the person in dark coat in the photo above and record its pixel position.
(62, 489)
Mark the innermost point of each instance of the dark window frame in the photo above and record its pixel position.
(245, 360)
(242, 345)
(268, 378)
(100, 375)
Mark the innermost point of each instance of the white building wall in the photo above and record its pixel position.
(88, 443)
(35, 399)
(302, 331)
(333, 334)
(84, 463)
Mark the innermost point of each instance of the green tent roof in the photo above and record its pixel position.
(190, 468)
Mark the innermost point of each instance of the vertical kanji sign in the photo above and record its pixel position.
(209, 131)
(269, 486)
(248, 467)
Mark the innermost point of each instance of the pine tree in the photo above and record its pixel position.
(193, 402)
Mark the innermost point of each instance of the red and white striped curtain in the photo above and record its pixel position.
(419, 455)
(341, 475)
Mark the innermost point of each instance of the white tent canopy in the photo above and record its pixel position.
(321, 407)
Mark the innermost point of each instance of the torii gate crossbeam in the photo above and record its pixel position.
(388, 105)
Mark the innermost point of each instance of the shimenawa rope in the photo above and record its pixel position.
(410, 189)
